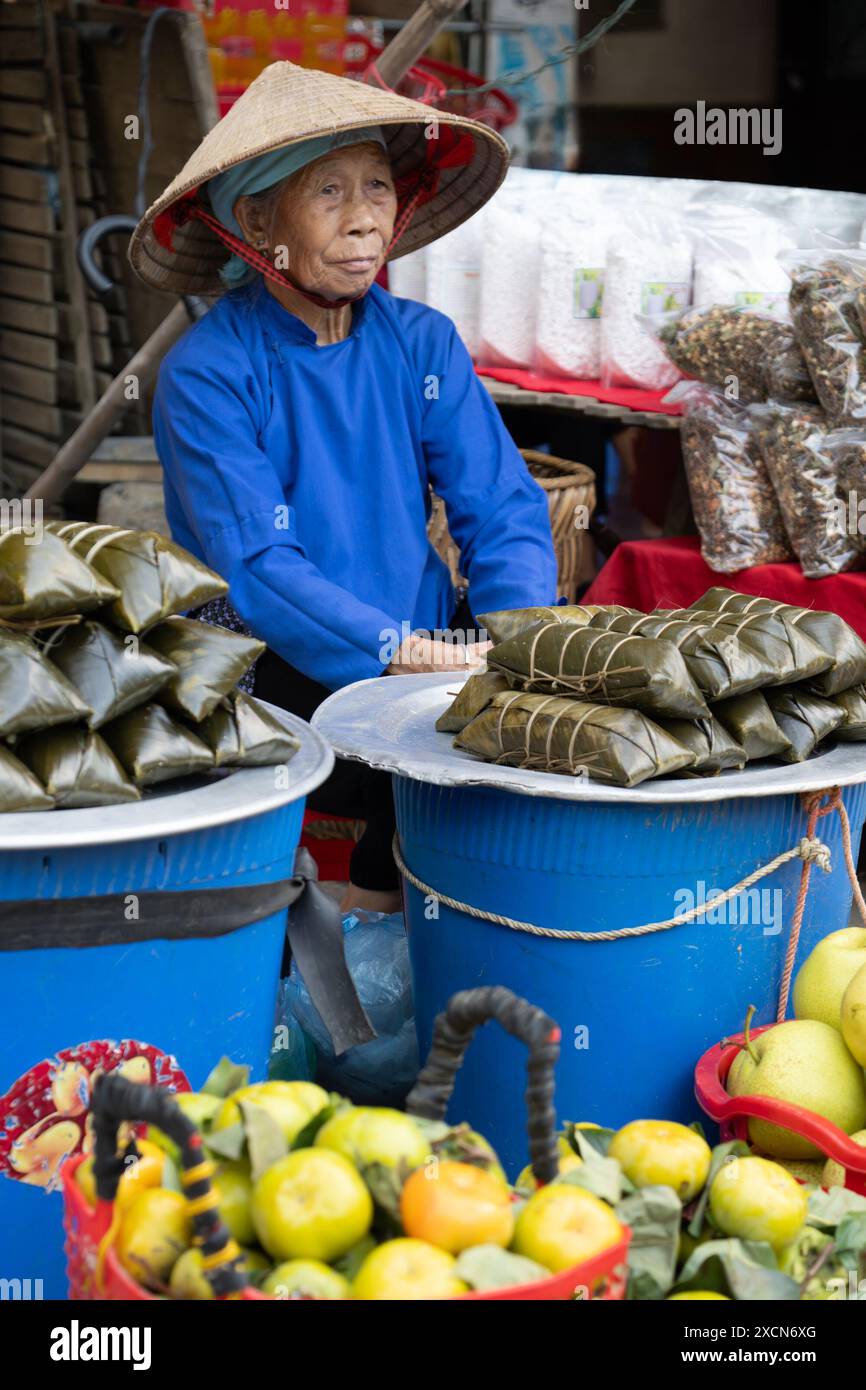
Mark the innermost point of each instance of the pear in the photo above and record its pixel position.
(806, 1063)
(806, 1170)
(852, 1016)
(826, 973)
(834, 1173)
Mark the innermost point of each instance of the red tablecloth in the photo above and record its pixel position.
(630, 397)
(670, 573)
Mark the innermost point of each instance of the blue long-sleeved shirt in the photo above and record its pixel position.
(301, 473)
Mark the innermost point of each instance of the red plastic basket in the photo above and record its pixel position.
(732, 1113)
(603, 1277)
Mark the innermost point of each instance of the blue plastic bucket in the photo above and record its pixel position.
(197, 998)
(636, 1014)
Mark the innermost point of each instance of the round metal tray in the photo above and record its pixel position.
(180, 807)
(389, 723)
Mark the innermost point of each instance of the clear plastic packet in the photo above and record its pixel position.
(648, 272)
(736, 256)
(509, 282)
(786, 372)
(826, 286)
(454, 278)
(849, 449)
(574, 246)
(733, 499)
(804, 471)
(725, 347)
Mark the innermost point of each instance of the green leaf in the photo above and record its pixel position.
(851, 1241)
(588, 1142)
(266, 1143)
(349, 1264)
(740, 1269)
(434, 1130)
(227, 1143)
(831, 1207)
(305, 1137)
(735, 1148)
(491, 1267)
(654, 1215)
(170, 1175)
(227, 1076)
(602, 1176)
(385, 1186)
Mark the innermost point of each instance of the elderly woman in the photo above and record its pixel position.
(302, 422)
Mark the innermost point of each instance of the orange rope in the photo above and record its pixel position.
(812, 804)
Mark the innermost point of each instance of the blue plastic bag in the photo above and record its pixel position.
(382, 1071)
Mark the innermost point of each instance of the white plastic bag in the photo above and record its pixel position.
(736, 257)
(407, 276)
(571, 290)
(454, 278)
(648, 272)
(509, 283)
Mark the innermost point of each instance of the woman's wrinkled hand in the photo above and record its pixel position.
(419, 654)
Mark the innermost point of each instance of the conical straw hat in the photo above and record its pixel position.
(283, 106)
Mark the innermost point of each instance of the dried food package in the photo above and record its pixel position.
(714, 748)
(76, 767)
(111, 673)
(824, 291)
(648, 273)
(155, 578)
(474, 696)
(509, 282)
(41, 578)
(750, 723)
(789, 652)
(737, 250)
(608, 668)
(19, 789)
(210, 661)
(724, 347)
(574, 243)
(805, 475)
(849, 449)
(34, 694)
(805, 719)
(836, 638)
(733, 499)
(542, 732)
(242, 732)
(786, 372)
(719, 665)
(153, 747)
(853, 705)
(507, 622)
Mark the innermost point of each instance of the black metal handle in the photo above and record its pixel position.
(115, 1100)
(453, 1031)
(89, 239)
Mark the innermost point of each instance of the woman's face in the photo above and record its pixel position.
(332, 222)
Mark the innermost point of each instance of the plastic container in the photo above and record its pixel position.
(569, 854)
(732, 1113)
(115, 1099)
(199, 997)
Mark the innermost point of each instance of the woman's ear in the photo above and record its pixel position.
(250, 215)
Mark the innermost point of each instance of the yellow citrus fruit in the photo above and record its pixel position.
(292, 1104)
(234, 1187)
(306, 1279)
(312, 1204)
(455, 1206)
(365, 1134)
(661, 1153)
(198, 1106)
(561, 1226)
(188, 1279)
(408, 1269)
(155, 1229)
(568, 1159)
(755, 1199)
(697, 1294)
(140, 1173)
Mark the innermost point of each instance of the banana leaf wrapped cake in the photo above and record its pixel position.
(34, 693)
(791, 653)
(152, 577)
(41, 577)
(719, 665)
(473, 696)
(19, 789)
(603, 667)
(713, 747)
(209, 661)
(749, 721)
(805, 719)
(76, 767)
(853, 705)
(111, 674)
(507, 623)
(621, 747)
(153, 747)
(242, 732)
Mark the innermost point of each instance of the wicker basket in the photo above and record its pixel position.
(569, 486)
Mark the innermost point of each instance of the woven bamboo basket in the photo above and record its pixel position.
(570, 489)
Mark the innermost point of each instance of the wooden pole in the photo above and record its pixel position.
(410, 41)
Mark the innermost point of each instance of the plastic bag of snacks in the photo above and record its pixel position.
(509, 283)
(648, 272)
(574, 244)
(729, 348)
(792, 441)
(848, 450)
(454, 278)
(824, 309)
(734, 502)
(736, 257)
